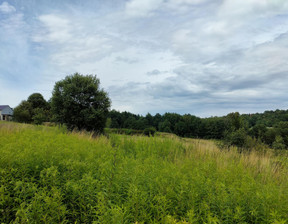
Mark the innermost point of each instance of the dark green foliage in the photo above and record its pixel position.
(237, 138)
(213, 128)
(234, 120)
(33, 110)
(278, 143)
(180, 128)
(23, 112)
(37, 101)
(173, 119)
(256, 127)
(78, 102)
(165, 126)
(269, 136)
(149, 131)
(282, 130)
(258, 131)
(268, 118)
(40, 115)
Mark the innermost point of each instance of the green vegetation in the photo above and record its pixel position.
(33, 110)
(149, 131)
(50, 176)
(245, 131)
(78, 102)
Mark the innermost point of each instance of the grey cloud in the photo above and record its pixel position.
(126, 60)
(222, 56)
(155, 72)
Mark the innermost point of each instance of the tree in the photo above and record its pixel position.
(235, 121)
(278, 143)
(35, 109)
(180, 128)
(23, 112)
(78, 102)
(165, 126)
(238, 138)
(37, 101)
(149, 119)
(259, 131)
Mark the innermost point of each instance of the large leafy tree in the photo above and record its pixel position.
(78, 102)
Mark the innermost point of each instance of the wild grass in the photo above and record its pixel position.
(50, 176)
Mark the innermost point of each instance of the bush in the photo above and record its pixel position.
(237, 138)
(278, 143)
(149, 131)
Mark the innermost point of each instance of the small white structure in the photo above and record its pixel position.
(6, 113)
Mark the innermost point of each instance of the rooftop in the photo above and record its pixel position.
(3, 106)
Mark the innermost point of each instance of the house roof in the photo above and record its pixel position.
(3, 106)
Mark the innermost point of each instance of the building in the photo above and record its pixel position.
(6, 113)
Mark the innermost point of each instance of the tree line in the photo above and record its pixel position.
(246, 130)
(79, 103)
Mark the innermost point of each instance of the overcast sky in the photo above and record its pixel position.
(203, 57)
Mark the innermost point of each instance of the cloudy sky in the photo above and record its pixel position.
(203, 57)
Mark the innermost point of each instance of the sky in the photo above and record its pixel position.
(202, 57)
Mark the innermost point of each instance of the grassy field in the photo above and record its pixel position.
(49, 176)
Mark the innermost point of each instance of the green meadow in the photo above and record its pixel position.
(50, 176)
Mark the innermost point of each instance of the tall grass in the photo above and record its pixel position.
(50, 176)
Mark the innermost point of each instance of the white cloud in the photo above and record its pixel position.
(252, 8)
(192, 2)
(71, 42)
(55, 29)
(155, 55)
(5, 7)
(140, 8)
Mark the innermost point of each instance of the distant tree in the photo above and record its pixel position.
(130, 122)
(78, 102)
(270, 136)
(180, 128)
(282, 130)
(149, 119)
(37, 101)
(258, 131)
(141, 124)
(192, 125)
(278, 143)
(165, 126)
(237, 138)
(149, 131)
(23, 112)
(214, 127)
(173, 118)
(116, 119)
(156, 120)
(33, 110)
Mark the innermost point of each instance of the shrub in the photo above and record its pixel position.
(149, 131)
